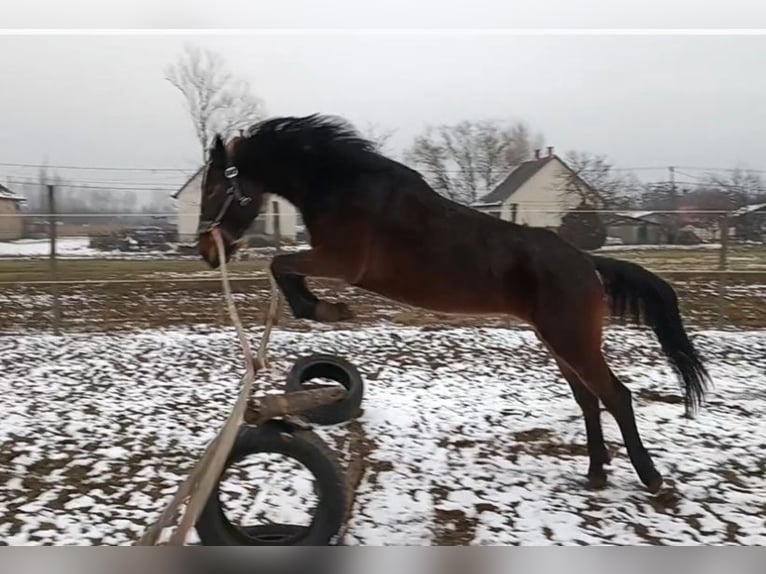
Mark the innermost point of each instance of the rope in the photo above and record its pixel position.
(200, 482)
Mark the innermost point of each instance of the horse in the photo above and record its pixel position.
(378, 225)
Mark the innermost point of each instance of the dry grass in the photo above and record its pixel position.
(739, 258)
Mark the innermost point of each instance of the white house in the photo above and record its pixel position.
(11, 224)
(537, 193)
(190, 195)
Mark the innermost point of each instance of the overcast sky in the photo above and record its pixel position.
(642, 100)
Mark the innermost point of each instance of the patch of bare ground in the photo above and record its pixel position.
(450, 527)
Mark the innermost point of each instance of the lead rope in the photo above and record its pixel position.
(200, 482)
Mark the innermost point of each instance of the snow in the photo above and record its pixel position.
(659, 247)
(65, 246)
(476, 438)
(78, 248)
(70, 248)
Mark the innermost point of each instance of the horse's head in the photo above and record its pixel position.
(230, 201)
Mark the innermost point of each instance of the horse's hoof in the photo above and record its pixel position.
(331, 312)
(344, 311)
(596, 481)
(654, 485)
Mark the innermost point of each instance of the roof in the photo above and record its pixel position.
(518, 177)
(635, 214)
(187, 182)
(522, 174)
(749, 209)
(626, 218)
(6, 193)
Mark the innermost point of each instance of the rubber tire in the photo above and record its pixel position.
(215, 529)
(276, 534)
(322, 365)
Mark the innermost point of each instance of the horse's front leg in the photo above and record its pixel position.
(290, 272)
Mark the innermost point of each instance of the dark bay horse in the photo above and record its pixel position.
(377, 225)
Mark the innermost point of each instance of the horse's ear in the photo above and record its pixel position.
(218, 152)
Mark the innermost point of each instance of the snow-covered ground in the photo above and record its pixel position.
(652, 247)
(69, 248)
(78, 248)
(65, 246)
(476, 438)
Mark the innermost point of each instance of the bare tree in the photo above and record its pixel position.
(217, 101)
(738, 185)
(468, 159)
(595, 181)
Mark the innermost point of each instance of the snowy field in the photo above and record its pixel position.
(79, 248)
(475, 438)
(66, 248)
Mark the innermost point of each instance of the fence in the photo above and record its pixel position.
(715, 288)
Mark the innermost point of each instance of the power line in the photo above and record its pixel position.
(99, 168)
(65, 186)
(169, 179)
(101, 184)
(127, 214)
(190, 171)
(727, 169)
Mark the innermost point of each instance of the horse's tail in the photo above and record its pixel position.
(647, 299)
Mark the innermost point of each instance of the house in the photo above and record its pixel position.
(274, 208)
(635, 228)
(11, 220)
(538, 193)
(750, 223)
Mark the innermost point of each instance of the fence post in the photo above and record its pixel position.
(52, 267)
(722, 267)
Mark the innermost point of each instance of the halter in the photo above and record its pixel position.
(233, 192)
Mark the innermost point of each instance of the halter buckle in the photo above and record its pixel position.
(231, 172)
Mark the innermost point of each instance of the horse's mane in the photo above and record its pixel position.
(316, 135)
(323, 152)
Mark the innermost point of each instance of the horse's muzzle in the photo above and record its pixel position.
(209, 250)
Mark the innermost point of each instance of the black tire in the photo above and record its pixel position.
(321, 365)
(215, 529)
(276, 534)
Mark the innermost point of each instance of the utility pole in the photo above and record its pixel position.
(52, 271)
(673, 200)
(673, 191)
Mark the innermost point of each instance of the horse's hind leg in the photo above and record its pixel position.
(290, 272)
(575, 339)
(592, 414)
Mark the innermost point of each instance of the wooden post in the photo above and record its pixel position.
(52, 270)
(722, 267)
(278, 248)
(268, 407)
